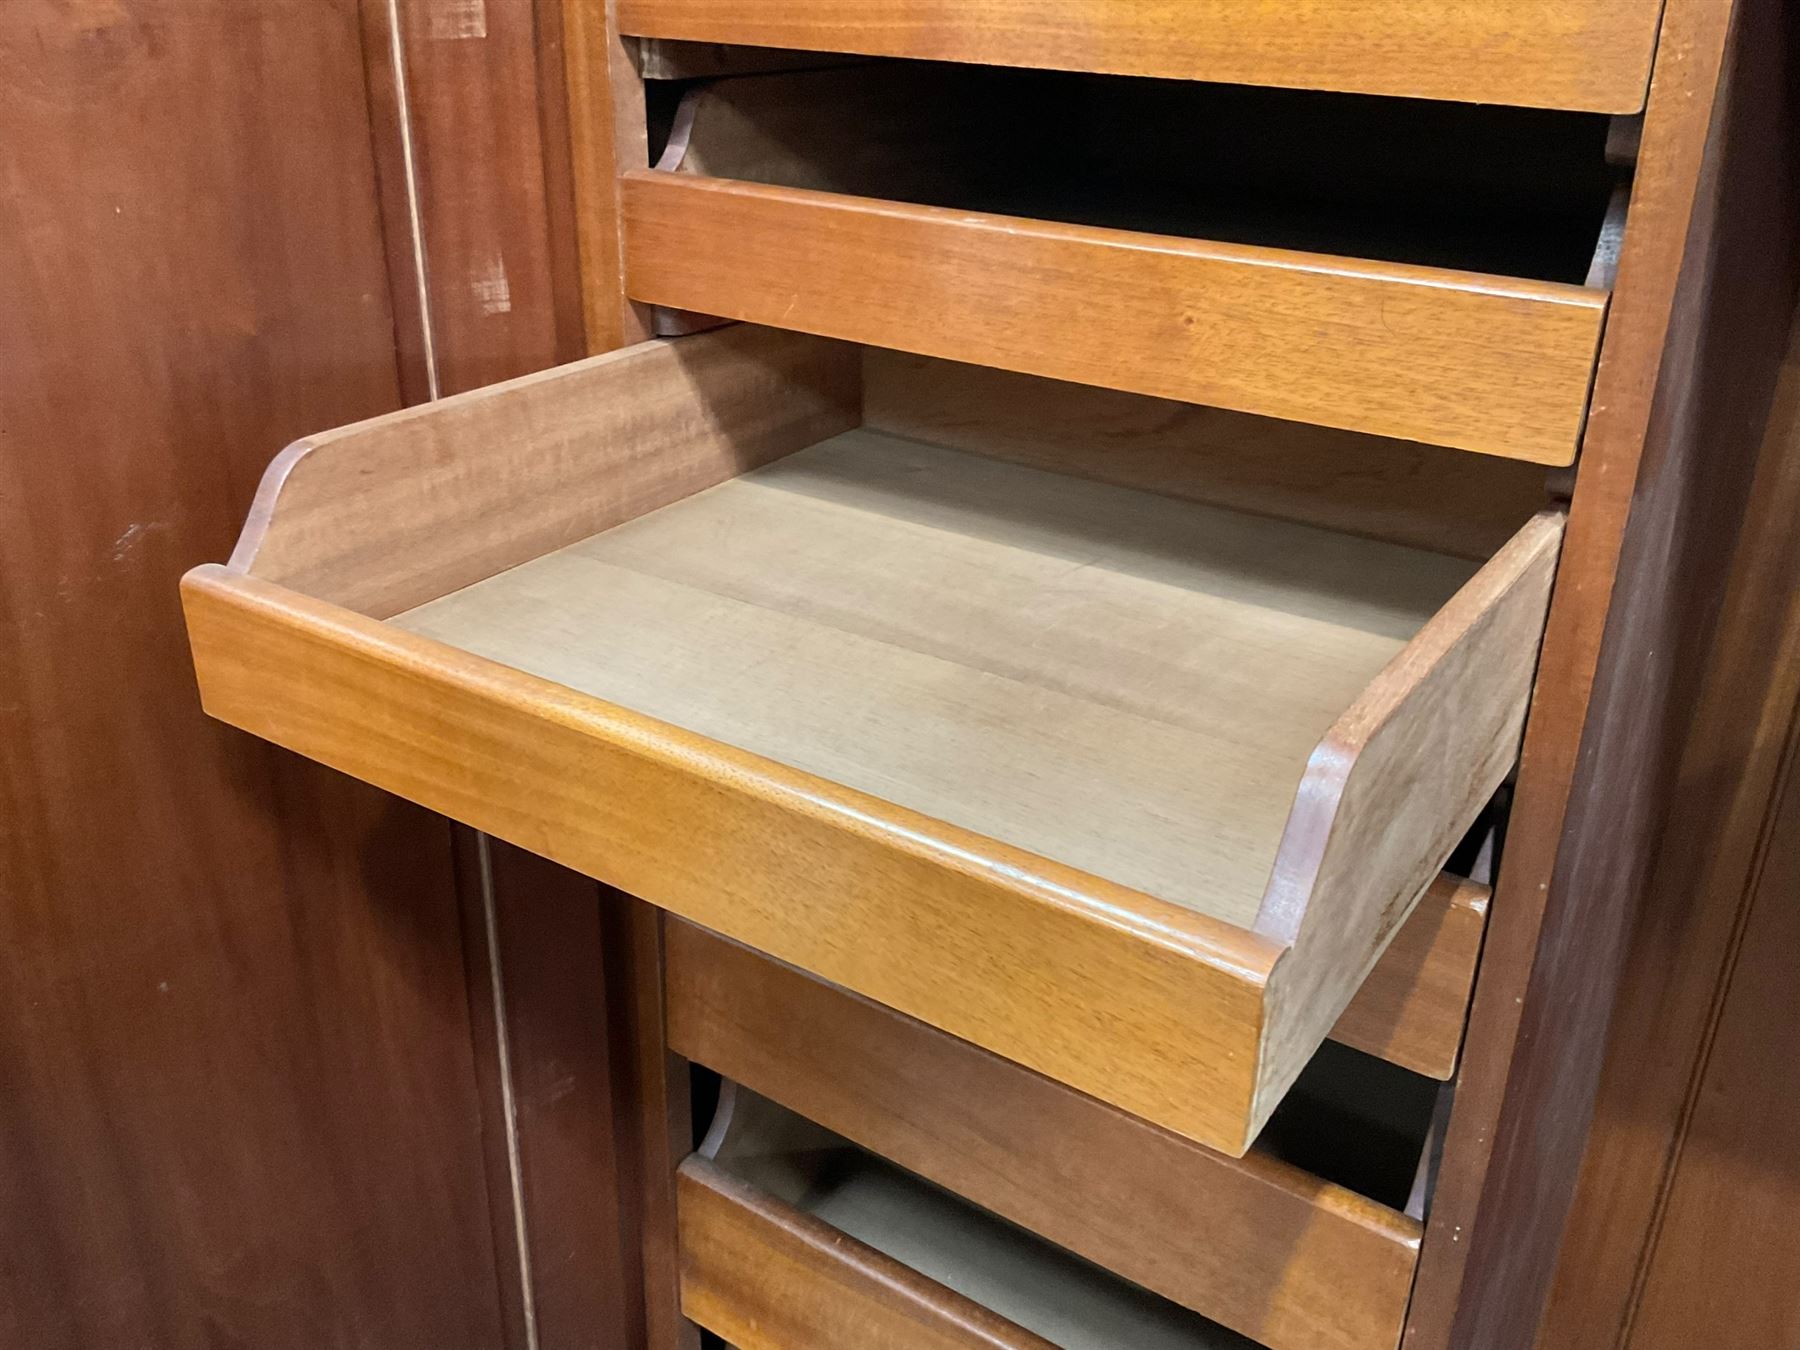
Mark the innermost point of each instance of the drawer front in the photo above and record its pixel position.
(1593, 54)
(1457, 359)
(1291, 1261)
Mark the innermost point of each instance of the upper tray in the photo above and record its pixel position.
(1590, 54)
(968, 216)
(1132, 790)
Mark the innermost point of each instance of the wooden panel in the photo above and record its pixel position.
(1455, 359)
(238, 1106)
(1725, 1264)
(1594, 55)
(1307, 1266)
(607, 135)
(659, 1129)
(483, 170)
(555, 1118)
(1681, 398)
(624, 799)
(767, 1277)
(1699, 889)
(987, 645)
(387, 514)
(1426, 496)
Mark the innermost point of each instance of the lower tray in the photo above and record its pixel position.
(1293, 1260)
(791, 1237)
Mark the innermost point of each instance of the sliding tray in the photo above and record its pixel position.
(1258, 1244)
(792, 1237)
(1594, 54)
(901, 208)
(1129, 789)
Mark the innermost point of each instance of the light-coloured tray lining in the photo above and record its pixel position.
(1123, 682)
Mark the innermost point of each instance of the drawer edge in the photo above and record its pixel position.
(627, 801)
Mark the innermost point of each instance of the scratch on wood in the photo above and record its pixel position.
(133, 536)
(455, 20)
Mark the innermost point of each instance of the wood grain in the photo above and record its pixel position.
(768, 1277)
(989, 646)
(626, 800)
(1473, 362)
(1425, 496)
(238, 1103)
(1308, 1266)
(1594, 56)
(1681, 397)
(386, 514)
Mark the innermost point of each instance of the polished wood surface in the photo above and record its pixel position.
(1725, 1263)
(769, 1277)
(1592, 55)
(1425, 496)
(1308, 1265)
(1702, 301)
(387, 514)
(1474, 362)
(984, 644)
(238, 1103)
(1734, 757)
